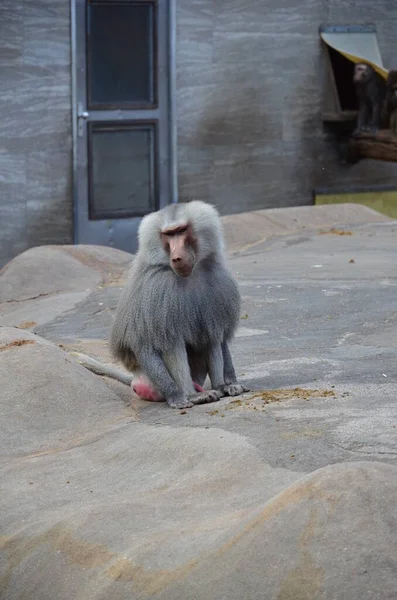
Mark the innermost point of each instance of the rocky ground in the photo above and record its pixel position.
(286, 493)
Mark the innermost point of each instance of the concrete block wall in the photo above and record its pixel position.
(249, 103)
(250, 96)
(35, 125)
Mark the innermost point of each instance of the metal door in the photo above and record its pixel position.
(123, 133)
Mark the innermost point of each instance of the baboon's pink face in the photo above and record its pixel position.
(180, 243)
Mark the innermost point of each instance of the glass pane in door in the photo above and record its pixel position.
(121, 54)
(122, 170)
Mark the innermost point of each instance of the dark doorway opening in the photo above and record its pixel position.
(343, 70)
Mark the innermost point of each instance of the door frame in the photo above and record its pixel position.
(171, 89)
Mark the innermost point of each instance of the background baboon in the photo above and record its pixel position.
(390, 107)
(370, 89)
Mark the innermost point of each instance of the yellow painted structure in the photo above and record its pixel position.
(384, 202)
(357, 47)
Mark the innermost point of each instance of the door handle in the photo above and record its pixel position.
(82, 116)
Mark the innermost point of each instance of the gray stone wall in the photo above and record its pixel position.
(35, 125)
(249, 100)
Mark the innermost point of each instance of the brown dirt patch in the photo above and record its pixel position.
(16, 344)
(26, 324)
(269, 396)
(334, 231)
(259, 400)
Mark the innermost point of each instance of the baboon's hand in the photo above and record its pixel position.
(233, 389)
(206, 397)
(180, 402)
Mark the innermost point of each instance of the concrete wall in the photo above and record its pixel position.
(35, 125)
(249, 100)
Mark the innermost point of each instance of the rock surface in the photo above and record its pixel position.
(287, 493)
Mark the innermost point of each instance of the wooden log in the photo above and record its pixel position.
(381, 146)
